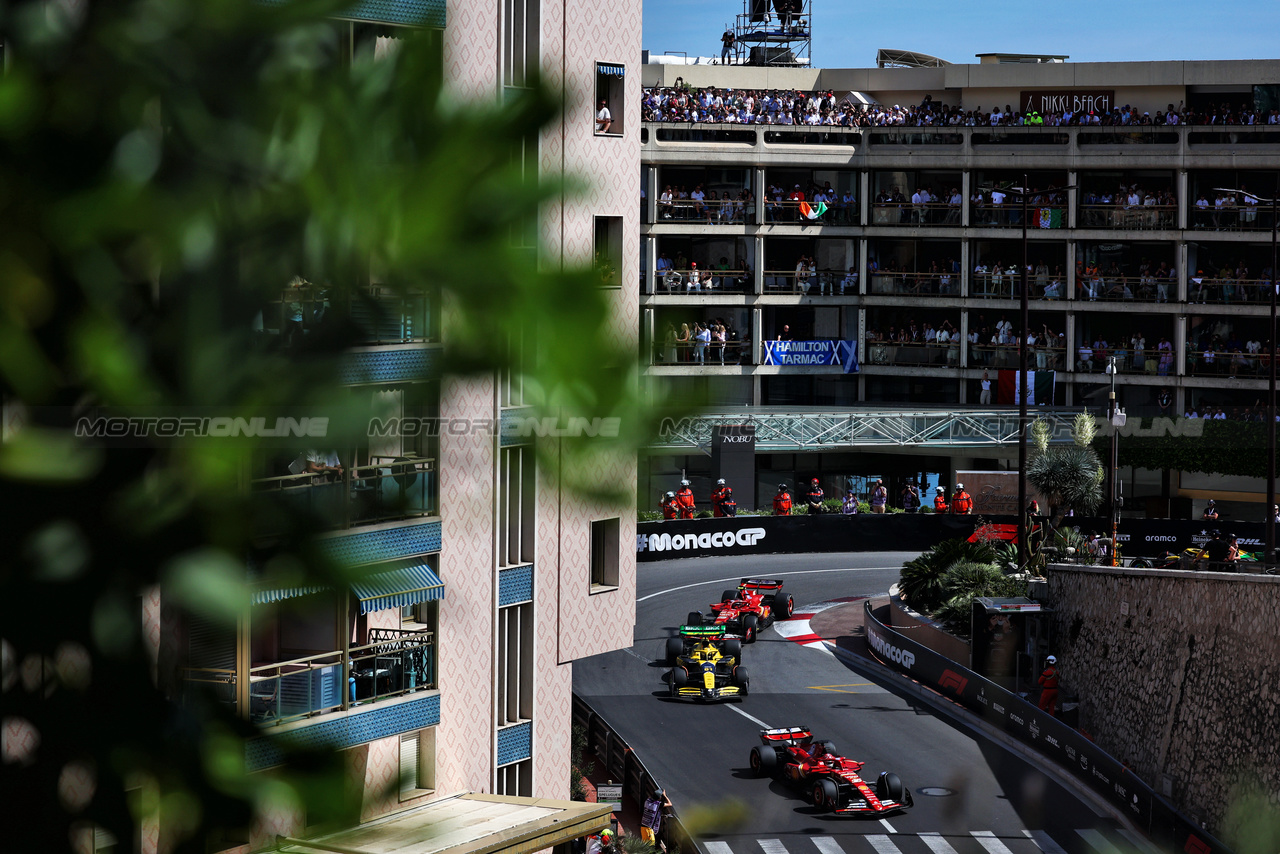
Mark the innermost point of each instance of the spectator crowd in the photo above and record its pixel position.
(684, 104)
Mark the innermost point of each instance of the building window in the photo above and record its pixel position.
(604, 554)
(609, 113)
(516, 473)
(608, 246)
(417, 763)
(515, 664)
(515, 779)
(519, 43)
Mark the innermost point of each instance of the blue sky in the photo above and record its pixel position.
(848, 33)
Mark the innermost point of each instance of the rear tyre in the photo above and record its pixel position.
(1140, 563)
(764, 761)
(675, 646)
(728, 595)
(824, 794)
(742, 679)
(784, 607)
(889, 787)
(750, 623)
(733, 648)
(694, 618)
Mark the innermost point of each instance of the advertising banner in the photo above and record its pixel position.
(823, 351)
(1046, 101)
(1045, 733)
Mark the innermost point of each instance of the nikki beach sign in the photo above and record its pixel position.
(1046, 101)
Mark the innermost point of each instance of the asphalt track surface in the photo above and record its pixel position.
(972, 795)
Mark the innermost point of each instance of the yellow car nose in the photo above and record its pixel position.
(709, 680)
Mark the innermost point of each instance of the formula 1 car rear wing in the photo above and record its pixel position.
(702, 631)
(763, 585)
(794, 735)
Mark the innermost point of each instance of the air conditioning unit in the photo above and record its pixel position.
(765, 55)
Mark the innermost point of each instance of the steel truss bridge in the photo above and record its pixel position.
(788, 431)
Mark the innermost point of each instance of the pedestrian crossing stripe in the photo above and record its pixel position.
(936, 843)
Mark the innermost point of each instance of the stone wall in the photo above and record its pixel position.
(1177, 675)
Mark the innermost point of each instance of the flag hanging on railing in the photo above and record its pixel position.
(1050, 217)
(1009, 388)
(809, 211)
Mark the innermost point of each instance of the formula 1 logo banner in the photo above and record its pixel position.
(823, 351)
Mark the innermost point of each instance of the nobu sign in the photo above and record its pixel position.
(1064, 100)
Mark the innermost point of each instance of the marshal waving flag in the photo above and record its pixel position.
(1009, 388)
(1049, 217)
(809, 211)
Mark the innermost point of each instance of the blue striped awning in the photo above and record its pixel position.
(398, 588)
(279, 594)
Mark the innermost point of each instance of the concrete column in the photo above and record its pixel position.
(965, 184)
(863, 286)
(648, 336)
(758, 189)
(1070, 332)
(649, 246)
(651, 195)
(1071, 270)
(1072, 198)
(964, 348)
(1181, 259)
(964, 390)
(1180, 345)
(1184, 205)
(864, 201)
(755, 390)
(966, 263)
(757, 349)
(758, 285)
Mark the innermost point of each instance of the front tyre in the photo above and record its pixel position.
(742, 679)
(679, 678)
(750, 624)
(889, 787)
(824, 794)
(784, 607)
(675, 646)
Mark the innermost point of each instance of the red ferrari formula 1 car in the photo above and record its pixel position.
(831, 781)
(755, 605)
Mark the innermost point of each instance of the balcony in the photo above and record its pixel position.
(1005, 357)
(732, 211)
(687, 354)
(378, 315)
(880, 352)
(1097, 287)
(386, 488)
(915, 284)
(810, 283)
(684, 282)
(394, 662)
(780, 211)
(906, 213)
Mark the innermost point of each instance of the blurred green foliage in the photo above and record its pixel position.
(167, 167)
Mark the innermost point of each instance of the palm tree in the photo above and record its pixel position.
(1069, 476)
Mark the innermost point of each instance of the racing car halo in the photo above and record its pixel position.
(705, 664)
(830, 781)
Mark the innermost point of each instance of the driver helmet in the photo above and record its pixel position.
(815, 481)
(1053, 659)
(606, 835)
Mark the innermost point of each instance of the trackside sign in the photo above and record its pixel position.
(706, 540)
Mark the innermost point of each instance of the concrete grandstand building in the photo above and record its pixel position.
(446, 677)
(1123, 242)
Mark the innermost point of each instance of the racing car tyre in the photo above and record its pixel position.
(824, 794)
(749, 625)
(764, 761)
(1140, 563)
(889, 787)
(784, 607)
(728, 595)
(694, 618)
(742, 679)
(679, 678)
(733, 648)
(675, 646)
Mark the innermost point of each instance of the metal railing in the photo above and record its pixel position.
(739, 211)
(916, 284)
(1232, 364)
(1039, 357)
(379, 315)
(812, 283)
(907, 213)
(683, 354)
(386, 488)
(1126, 217)
(913, 354)
(1009, 215)
(1095, 287)
(675, 281)
(1233, 218)
(1227, 290)
(788, 212)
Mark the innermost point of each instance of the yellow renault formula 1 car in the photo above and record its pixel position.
(705, 664)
